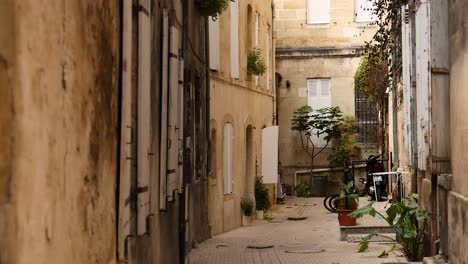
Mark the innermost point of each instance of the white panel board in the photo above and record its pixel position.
(270, 154)
(144, 119)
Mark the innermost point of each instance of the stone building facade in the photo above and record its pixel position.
(318, 49)
(241, 106)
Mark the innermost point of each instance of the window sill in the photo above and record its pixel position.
(317, 25)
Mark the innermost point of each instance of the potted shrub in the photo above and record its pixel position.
(262, 200)
(247, 211)
(348, 204)
(302, 190)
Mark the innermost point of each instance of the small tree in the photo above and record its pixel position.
(322, 123)
(345, 145)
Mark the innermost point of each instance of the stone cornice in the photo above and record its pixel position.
(314, 52)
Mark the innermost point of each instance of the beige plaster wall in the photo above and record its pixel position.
(243, 104)
(458, 198)
(58, 122)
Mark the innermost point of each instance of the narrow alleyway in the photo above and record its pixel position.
(314, 240)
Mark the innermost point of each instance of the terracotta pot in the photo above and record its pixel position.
(344, 219)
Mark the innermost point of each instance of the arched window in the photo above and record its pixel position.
(227, 157)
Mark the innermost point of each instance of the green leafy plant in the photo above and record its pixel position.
(408, 220)
(345, 144)
(322, 123)
(262, 197)
(212, 8)
(247, 207)
(255, 64)
(303, 190)
(349, 200)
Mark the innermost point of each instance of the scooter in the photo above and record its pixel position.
(376, 185)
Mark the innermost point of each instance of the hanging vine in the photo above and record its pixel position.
(381, 68)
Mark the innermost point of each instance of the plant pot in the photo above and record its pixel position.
(344, 219)
(259, 214)
(246, 220)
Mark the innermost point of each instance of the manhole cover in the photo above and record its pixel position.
(305, 251)
(260, 246)
(297, 218)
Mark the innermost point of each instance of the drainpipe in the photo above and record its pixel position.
(394, 113)
(182, 199)
(208, 88)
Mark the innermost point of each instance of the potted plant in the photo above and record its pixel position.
(348, 204)
(212, 8)
(302, 190)
(262, 199)
(247, 211)
(255, 64)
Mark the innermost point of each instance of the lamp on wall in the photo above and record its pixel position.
(288, 84)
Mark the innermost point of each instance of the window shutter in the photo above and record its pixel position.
(144, 119)
(214, 43)
(227, 168)
(268, 64)
(365, 10)
(173, 116)
(319, 97)
(164, 111)
(318, 11)
(181, 127)
(234, 39)
(126, 140)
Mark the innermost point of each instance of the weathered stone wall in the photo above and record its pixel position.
(458, 197)
(59, 109)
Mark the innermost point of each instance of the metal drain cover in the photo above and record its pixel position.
(305, 251)
(260, 246)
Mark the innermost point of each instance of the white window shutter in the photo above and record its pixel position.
(318, 11)
(144, 120)
(364, 10)
(214, 43)
(164, 111)
(173, 116)
(267, 55)
(234, 7)
(319, 96)
(227, 157)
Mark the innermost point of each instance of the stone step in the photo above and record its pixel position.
(356, 238)
(345, 231)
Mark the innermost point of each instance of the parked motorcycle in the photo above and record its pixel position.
(375, 185)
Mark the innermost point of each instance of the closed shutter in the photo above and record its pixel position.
(234, 39)
(180, 164)
(318, 11)
(270, 154)
(406, 76)
(268, 63)
(227, 153)
(214, 43)
(144, 119)
(364, 10)
(164, 111)
(173, 126)
(126, 141)
(318, 96)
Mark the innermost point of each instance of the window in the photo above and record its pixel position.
(235, 40)
(318, 96)
(214, 43)
(268, 64)
(227, 162)
(364, 10)
(318, 11)
(367, 119)
(257, 32)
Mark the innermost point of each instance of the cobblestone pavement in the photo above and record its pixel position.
(314, 240)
